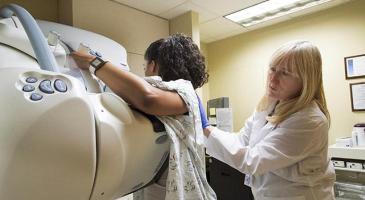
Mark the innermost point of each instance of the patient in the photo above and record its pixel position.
(174, 69)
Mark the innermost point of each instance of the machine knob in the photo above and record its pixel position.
(36, 97)
(60, 85)
(46, 87)
(31, 79)
(28, 88)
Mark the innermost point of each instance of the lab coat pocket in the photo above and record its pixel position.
(310, 166)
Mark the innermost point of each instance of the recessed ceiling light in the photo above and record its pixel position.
(270, 9)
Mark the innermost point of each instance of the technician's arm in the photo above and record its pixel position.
(282, 147)
(135, 90)
(242, 137)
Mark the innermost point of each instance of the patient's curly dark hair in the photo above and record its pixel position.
(178, 57)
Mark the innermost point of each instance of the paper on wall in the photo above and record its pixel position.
(224, 119)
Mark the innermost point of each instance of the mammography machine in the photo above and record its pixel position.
(61, 136)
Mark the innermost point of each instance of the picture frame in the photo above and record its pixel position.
(357, 91)
(355, 66)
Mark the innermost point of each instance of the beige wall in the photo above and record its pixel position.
(187, 23)
(133, 29)
(238, 64)
(40, 9)
(65, 12)
(205, 89)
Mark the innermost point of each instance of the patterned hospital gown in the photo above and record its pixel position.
(186, 178)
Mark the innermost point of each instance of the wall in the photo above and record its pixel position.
(133, 29)
(205, 89)
(65, 12)
(40, 9)
(187, 23)
(238, 64)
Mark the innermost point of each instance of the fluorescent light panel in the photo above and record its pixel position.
(270, 9)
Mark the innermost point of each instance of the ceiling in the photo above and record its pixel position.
(213, 26)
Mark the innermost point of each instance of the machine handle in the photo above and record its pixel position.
(40, 47)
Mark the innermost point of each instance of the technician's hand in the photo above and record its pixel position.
(203, 116)
(82, 60)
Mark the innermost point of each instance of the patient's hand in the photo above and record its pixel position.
(82, 60)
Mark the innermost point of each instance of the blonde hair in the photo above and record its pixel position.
(304, 60)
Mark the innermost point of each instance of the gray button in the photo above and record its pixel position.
(36, 97)
(28, 88)
(31, 79)
(46, 87)
(60, 85)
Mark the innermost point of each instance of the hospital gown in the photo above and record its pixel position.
(186, 179)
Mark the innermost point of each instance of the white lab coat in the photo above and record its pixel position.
(287, 162)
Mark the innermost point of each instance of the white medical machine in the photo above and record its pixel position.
(358, 135)
(61, 136)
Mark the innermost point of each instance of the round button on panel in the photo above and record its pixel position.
(36, 97)
(46, 87)
(31, 79)
(60, 85)
(28, 88)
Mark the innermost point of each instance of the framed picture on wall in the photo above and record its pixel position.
(355, 66)
(357, 96)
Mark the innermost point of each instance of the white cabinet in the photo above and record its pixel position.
(348, 154)
(349, 164)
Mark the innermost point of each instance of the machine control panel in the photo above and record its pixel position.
(35, 87)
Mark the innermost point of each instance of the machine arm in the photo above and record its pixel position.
(43, 54)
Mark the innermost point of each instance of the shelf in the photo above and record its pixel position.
(350, 170)
(357, 153)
